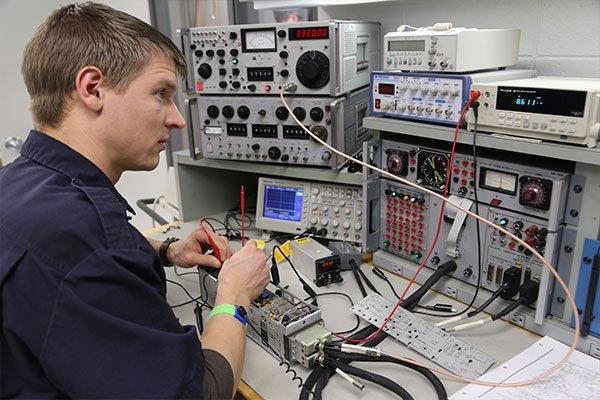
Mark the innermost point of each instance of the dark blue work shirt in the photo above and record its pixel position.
(83, 292)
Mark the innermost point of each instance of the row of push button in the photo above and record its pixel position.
(535, 125)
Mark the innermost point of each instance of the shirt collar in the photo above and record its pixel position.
(56, 155)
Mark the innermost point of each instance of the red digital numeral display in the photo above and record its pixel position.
(309, 33)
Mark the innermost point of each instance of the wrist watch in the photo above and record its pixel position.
(239, 312)
(162, 251)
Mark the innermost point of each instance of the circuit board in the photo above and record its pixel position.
(281, 309)
(422, 336)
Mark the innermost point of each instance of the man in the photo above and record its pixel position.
(83, 293)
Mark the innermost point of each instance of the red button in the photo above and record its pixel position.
(495, 202)
(465, 163)
(199, 86)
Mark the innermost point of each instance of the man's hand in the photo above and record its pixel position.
(243, 277)
(187, 252)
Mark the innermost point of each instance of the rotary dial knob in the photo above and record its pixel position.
(532, 194)
(535, 192)
(312, 69)
(205, 71)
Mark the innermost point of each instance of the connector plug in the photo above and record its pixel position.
(511, 281)
(275, 279)
(529, 292)
(290, 87)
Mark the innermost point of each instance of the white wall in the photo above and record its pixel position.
(19, 19)
(558, 37)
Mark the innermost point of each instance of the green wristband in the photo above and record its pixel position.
(237, 312)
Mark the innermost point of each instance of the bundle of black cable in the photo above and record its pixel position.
(319, 377)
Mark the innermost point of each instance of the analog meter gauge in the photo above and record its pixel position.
(432, 170)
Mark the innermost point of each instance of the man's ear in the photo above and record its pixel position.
(88, 88)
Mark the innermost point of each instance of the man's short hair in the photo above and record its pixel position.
(79, 35)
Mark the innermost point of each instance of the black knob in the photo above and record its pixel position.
(281, 113)
(234, 52)
(435, 260)
(462, 190)
(210, 52)
(235, 71)
(285, 157)
(212, 111)
(285, 73)
(205, 71)
(281, 33)
(193, 46)
(274, 153)
(243, 112)
(220, 52)
(236, 85)
(467, 272)
(252, 87)
(316, 114)
(312, 69)
(283, 54)
(262, 113)
(232, 35)
(542, 233)
(300, 113)
(518, 225)
(222, 84)
(222, 61)
(255, 146)
(228, 112)
(198, 53)
(222, 71)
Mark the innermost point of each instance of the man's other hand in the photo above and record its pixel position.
(244, 276)
(188, 253)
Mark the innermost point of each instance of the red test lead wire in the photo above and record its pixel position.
(242, 206)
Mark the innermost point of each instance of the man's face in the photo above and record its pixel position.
(138, 120)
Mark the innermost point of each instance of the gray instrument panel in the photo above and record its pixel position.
(319, 57)
(527, 200)
(260, 128)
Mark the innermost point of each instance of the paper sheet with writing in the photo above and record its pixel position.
(578, 379)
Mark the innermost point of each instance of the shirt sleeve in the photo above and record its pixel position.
(114, 335)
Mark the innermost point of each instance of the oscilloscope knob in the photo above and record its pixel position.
(274, 153)
(316, 114)
(205, 71)
(212, 111)
(282, 113)
(300, 113)
(243, 112)
(312, 69)
(228, 112)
